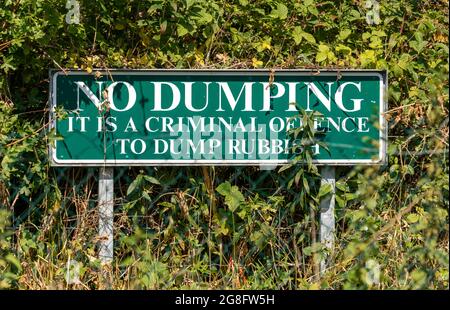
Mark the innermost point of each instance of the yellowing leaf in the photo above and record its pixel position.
(344, 49)
(412, 218)
(413, 92)
(265, 45)
(256, 63)
(280, 12)
(344, 34)
(324, 190)
(323, 48)
(120, 27)
(321, 57)
(309, 37)
(331, 57)
(181, 30)
(323, 53)
(297, 35)
(367, 57)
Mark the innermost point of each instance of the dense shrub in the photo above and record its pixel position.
(227, 227)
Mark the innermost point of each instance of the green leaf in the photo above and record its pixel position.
(404, 61)
(298, 176)
(350, 196)
(313, 10)
(368, 57)
(259, 239)
(242, 213)
(314, 248)
(412, 218)
(297, 35)
(233, 197)
(163, 26)
(189, 3)
(136, 183)
(344, 49)
(325, 189)
(366, 36)
(119, 26)
(146, 196)
(181, 30)
(340, 201)
(285, 167)
(204, 18)
(323, 48)
(306, 185)
(280, 12)
(379, 33)
(13, 260)
(152, 180)
(309, 37)
(418, 46)
(342, 186)
(344, 34)
(321, 57)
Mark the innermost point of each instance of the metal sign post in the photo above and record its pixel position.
(105, 222)
(327, 219)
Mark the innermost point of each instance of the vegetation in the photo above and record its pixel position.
(227, 227)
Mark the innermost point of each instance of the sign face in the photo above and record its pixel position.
(214, 117)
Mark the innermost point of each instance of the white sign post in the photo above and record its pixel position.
(106, 222)
(327, 218)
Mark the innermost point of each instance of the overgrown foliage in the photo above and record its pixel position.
(227, 227)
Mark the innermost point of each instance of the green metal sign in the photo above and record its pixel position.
(214, 117)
